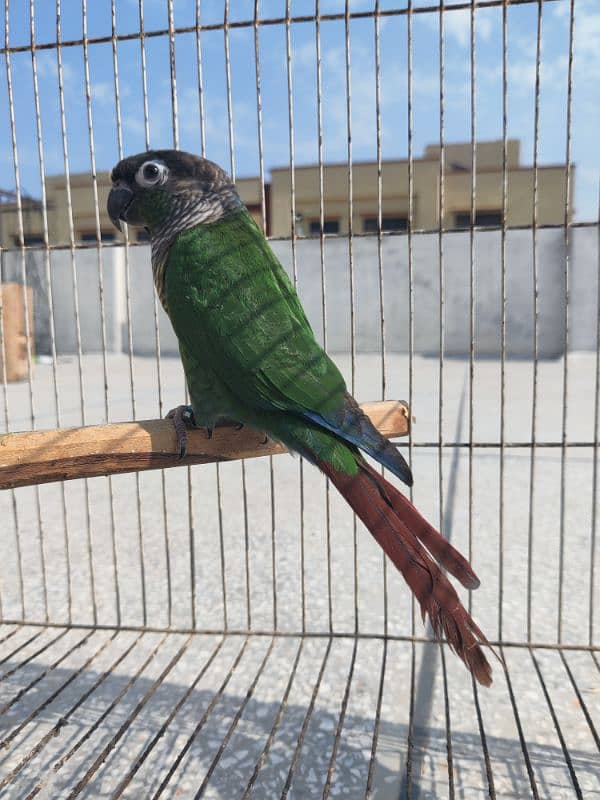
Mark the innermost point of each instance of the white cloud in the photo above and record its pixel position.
(586, 35)
(47, 67)
(457, 26)
(103, 92)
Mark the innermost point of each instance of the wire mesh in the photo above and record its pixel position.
(230, 631)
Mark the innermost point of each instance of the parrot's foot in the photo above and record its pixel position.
(183, 418)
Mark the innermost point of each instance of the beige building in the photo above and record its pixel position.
(426, 192)
(395, 206)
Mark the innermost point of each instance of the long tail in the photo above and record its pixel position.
(402, 531)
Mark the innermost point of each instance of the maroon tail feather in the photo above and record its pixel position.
(397, 526)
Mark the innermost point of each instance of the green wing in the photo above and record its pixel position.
(233, 306)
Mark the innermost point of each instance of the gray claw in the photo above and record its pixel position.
(183, 417)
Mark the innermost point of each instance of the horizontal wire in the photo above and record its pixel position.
(316, 237)
(285, 20)
(295, 634)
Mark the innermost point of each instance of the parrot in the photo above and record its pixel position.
(251, 358)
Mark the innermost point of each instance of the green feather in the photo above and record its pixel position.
(247, 348)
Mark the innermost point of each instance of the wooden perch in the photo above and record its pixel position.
(67, 453)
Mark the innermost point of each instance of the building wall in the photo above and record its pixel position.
(394, 189)
(9, 223)
(583, 308)
(426, 195)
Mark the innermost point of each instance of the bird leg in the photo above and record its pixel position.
(183, 418)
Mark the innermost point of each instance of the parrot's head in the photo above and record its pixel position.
(167, 191)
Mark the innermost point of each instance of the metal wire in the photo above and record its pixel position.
(100, 266)
(26, 311)
(565, 372)
(269, 21)
(159, 377)
(288, 727)
(535, 296)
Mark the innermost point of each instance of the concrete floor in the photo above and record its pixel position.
(534, 561)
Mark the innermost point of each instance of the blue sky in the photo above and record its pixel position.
(522, 22)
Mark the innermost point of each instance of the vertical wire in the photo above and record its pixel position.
(503, 306)
(175, 136)
(190, 491)
(232, 170)
(323, 281)
(473, 63)
(410, 734)
(100, 267)
(261, 154)
(411, 344)
(232, 161)
(5, 405)
(45, 236)
(557, 727)
(351, 275)
(26, 307)
(340, 725)
(306, 721)
(441, 269)
(263, 205)
(290, 90)
(218, 474)
(484, 745)
(173, 76)
(274, 728)
(65, 148)
(594, 513)
(263, 214)
(522, 740)
(200, 81)
(409, 241)
(13, 499)
(159, 380)
(144, 80)
(441, 211)
(532, 463)
(113, 15)
(473, 201)
(217, 466)
(449, 757)
(380, 263)
(565, 376)
(190, 494)
(377, 725)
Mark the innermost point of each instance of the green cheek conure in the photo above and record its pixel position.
(250, 355)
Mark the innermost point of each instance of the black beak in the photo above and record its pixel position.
(119, 199)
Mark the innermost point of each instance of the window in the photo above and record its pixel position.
(90, 236)
(329, 226)
(30, 240)
(370, 224)
(483, 219)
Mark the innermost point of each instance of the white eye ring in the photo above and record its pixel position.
(151, 173)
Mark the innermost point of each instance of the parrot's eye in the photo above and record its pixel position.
(151, 173)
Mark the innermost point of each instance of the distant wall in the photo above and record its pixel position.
(487, 260)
